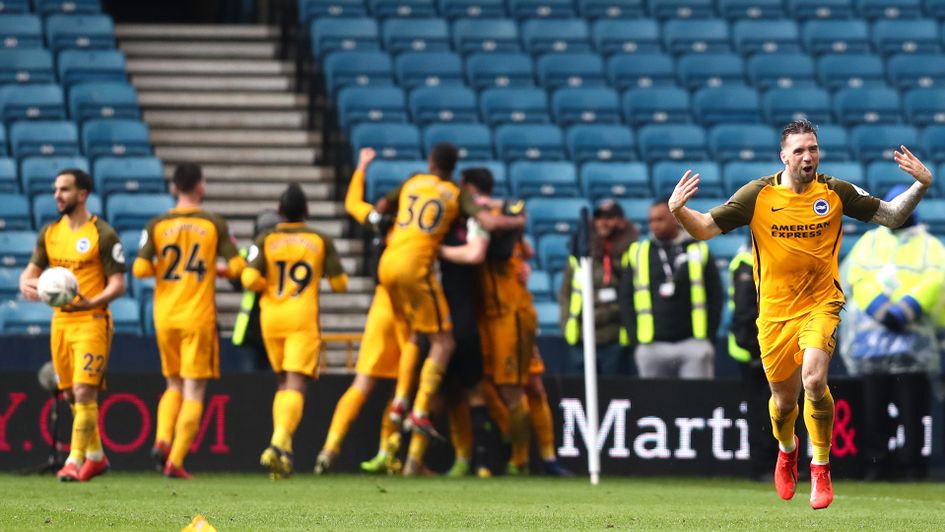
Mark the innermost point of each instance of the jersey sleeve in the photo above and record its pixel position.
(738, 210)
(109, 249)
(468, 205)
(355, 204)
(857, 203)
(332, 262)
(39, 257)
(146, 244)
(256, 256)
(226, 246)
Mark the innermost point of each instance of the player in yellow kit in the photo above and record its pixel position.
(286, 264)
(180, 249)
(795, 221)
(81, 333)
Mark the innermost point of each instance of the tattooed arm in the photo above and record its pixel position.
(893, 213)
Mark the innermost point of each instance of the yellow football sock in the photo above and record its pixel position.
(542, 425)
(347, 409)
(496, 407)
(519, 432)
(407, 371)
(387, 428)
(783, 427)
(291, 405)
(818, 417)
(94, 451)
(188, 422)
(431, 375)
(168, 408)
(461, 431)
(418, 447)
(83, 426)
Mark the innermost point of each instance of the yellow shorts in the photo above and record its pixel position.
(419, 301)
(384, 334)
(508, 346)
(783, 342)
(80, 348)
(190, 353)
(296, 352)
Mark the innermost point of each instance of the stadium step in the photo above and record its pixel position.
(251, 207)
(199, 67)
(220, 100)
(257, 155)
(242, 228)
(268, 172)
(276, 119)
(239, 137)
(328, 301)
(193, 49)
(203, 32)
(215, 83)
(263, 191)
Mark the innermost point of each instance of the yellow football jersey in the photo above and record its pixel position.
(502, 291)
(183, 245)
(796, 240)
(92, 252)
(292, 258)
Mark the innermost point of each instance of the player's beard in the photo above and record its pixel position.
(800, 177)
(68, 207)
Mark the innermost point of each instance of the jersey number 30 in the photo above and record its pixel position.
(428, 216)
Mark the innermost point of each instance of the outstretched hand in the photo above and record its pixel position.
(365, 156)
(685, 189)
(911, 164)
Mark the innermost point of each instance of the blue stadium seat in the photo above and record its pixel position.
(726, 104)
(932, 213)
(923, 107)
(45, 210)
(529, 141)
(544, 178)
(724, 247)
(933, 143)
(553, 251)
(530, 9)
(442, 104)
(672, 142)
(453, 9)
(834, 143)
(472, 35)
(751, 9)
(769, 71)
(619, 9)
(553, 215)
(119, 137)
(512, 69)
(889, 9)
(126, 315)
(851, 171)
(935, 9)
(430, 69)
(585, 105)
(147, 313)
(710, 70)
(737, 173)
(415, 35)
(570, 70)
(38, 174)
(881, 176)
(68, 7)
(666, 175)
(91, 32)
(384, 176)
(21, 31)
(103, 100)
(9, 180)
(333, 34)
(637, 210)
(16, 247)
(548, 314)
(682, 9)
(130, 243)
(698, 36)
(350, 69)
(310, 10)
(642, 70)
(539, 284)
(767, 36)
(371, 104)
(14, 212)
(820, 9)
(10, 284)
(496, 168)
(15, 7)
(906, 36)
(474, 140)
(615, 180)
(600, 142)
(392, 141)
(501, 106)
(541, 36)
(77, 66)
(838, 71)
(867, 106)
(878, 141)
(626, 36)
(34, 65)
(783, 105)
(836, 36)
(745, 142)
(31, 102)
(133, 211)
(382, 9)
(44, 138)
(129, 174)
(656, 105)
(25, 318)
(913, 71)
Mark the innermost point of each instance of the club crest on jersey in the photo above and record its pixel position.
(83, 245)
(821, 207)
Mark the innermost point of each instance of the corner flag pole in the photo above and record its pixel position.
(582, 250)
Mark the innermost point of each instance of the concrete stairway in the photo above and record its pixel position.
(218, 96)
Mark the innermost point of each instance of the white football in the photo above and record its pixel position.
(57, 286)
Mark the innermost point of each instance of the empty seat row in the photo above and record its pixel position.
(58, 32)
(46, 101)
(73, 67)
(21, 317)
(51, 7)
(123, 211)
(99, 137)
(111, 174)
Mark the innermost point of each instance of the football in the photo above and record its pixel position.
(57, 286)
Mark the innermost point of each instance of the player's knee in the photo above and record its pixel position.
(785, 404)
(363, 383)
(815, 385)
(84, 393)
(511, 395)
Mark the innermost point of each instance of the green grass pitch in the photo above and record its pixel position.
(139, 501)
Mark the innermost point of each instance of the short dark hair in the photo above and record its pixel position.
(799, 126)
(662, 200)
(292, 203)
(186, 177)
(444, 156)
(479, 178)
(83, 181)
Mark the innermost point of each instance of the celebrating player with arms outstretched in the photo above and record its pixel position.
(795, 221)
